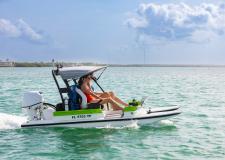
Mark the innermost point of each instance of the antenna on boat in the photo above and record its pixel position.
(144, 99)
(53, 63)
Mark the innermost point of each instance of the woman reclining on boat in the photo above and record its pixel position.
(102, 98)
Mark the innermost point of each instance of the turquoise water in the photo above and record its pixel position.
(197, 133)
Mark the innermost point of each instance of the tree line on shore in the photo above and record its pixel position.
(67, 64)
(50, 64)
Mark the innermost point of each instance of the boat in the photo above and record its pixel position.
(68, 112)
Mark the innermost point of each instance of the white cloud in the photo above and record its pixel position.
(9, 29)
(179, 21)
(27, 31)
(20, 29)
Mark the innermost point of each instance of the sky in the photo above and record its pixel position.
(113, 31)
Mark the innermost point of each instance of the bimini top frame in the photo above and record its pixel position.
(74, 73)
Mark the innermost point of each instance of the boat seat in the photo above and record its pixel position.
(84, 104)
(74, 98)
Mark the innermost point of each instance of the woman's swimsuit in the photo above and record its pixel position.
(90, 98)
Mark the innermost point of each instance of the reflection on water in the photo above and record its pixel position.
(84, 141)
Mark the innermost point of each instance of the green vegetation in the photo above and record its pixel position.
(49, 64)
(67, 64)
(32, 64)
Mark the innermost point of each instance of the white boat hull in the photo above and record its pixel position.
(141, 117)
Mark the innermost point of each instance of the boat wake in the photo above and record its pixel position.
(166, 122)
(8, 121)
(133, 125)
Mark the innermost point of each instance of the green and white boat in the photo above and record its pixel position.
(68, 112)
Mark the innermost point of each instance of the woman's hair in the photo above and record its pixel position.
(81, 80)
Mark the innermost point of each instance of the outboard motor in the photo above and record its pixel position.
(32, 103)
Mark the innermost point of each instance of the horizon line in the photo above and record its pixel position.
(67, 64)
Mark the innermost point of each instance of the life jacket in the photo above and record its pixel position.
(74, 98)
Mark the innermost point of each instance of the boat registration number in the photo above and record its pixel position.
(81, 116)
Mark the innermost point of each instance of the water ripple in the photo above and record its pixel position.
(198, 133)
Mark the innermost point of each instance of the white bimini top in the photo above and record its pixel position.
(78, 71)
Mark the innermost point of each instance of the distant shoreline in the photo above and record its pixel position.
(49, 64)
(164, 65)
